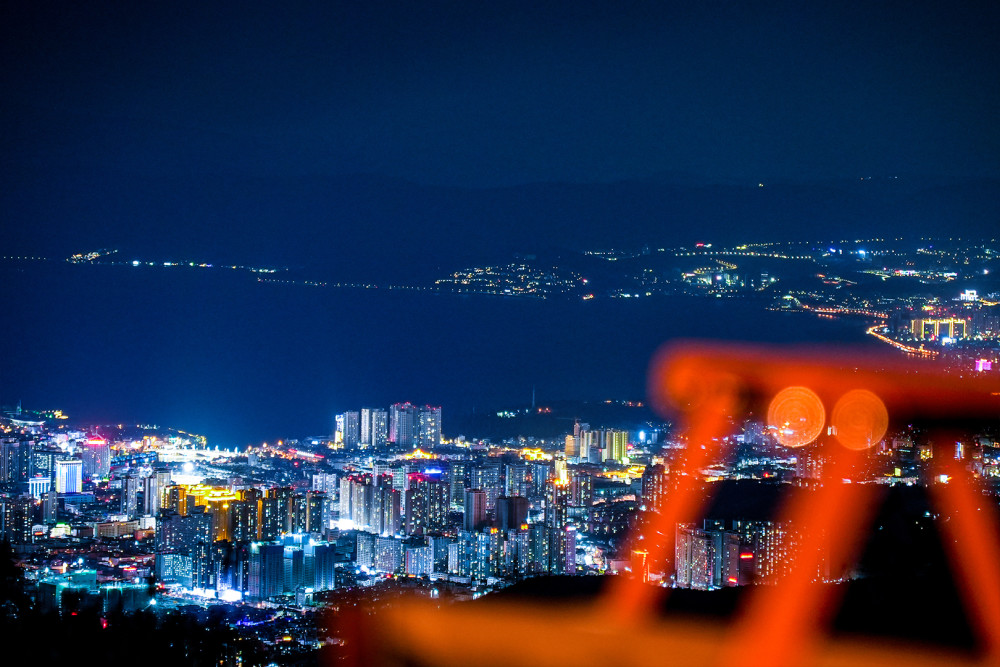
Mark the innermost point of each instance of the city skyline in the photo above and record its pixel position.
(323, 321)
(306, 526)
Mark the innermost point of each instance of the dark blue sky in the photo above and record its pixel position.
(400, 141)
(493, 94)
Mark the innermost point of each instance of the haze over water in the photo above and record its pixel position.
(220, 354)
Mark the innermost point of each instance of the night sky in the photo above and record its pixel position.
(493, 94)
(391, 141)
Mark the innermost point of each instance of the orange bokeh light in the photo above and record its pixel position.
(859, 419)
(797, 416)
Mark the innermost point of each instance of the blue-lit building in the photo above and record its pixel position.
(267, 570)
(419, 561)
(388, 555)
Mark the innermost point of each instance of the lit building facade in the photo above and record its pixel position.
(69, 476)
(950, 327)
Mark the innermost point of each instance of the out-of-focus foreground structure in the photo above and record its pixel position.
(853, 399)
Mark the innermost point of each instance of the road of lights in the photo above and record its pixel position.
(909, 349)
(825, 310)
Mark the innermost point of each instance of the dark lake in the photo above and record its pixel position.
(215, 352)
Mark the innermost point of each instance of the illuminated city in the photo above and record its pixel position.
(129, 518)
(583, 335)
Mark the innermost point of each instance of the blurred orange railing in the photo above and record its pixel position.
(856, 398)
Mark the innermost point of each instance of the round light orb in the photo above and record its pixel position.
(797, 416)
(859, 419)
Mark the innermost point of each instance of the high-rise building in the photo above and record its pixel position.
(18, 461)
(366, 427)
(426, 504)
(364, 549)
(480, 554)
(581, 489)
(16, 519)
(809, 462)
(556, 520)
(403, 422)
(8, 456)
(328, 483)
(572, 447)
(38, 486)
(352, 429)
(315, 502)
(485, 476)
(419, 561)
(706, 559)
(615, 446)
(515, 553)
(395, 471)
(96, 455)
(474, 510)
(560, 467)
(516, 479)
(269, 517)
(344, 494)
(154, 491)
(69, 476)
(293, 568)
(766, 548)
(50, 507)
(540, 472)
(176, 498)
(388, 556)
(267, 570)
(457, 478)
(285, 495)
(297, 512)
(655, 484)
(230, 563)
(43, 461)
(175, 567)
(428, 427)
(640, 565)
(589, 444)
(320, 559)
(538, 549)
(180, 533)
(440, 544)
(512, 512)
(569, 550)
(131, 484)
(362, 489)
(947, 327)
(338, 429)
(243, 519)
(379, 429)
(388, 510)
(203, 572)
(218, 506)
(319, 562)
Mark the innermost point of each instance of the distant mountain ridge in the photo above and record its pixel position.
(368, 227)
